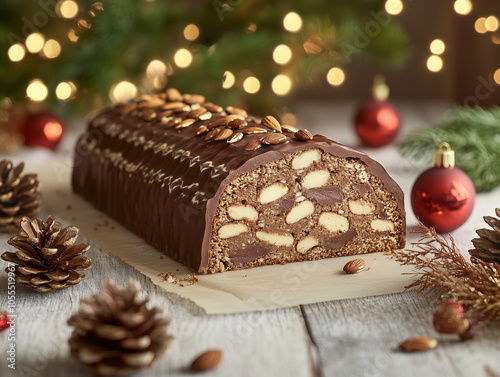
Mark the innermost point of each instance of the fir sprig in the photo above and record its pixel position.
(474, 135)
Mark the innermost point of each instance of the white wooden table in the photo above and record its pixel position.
(357, 337)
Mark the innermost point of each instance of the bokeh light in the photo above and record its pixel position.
(437, 47)
(393, 7)
(183, 58)
(156, 68)
(282, 54)
(462, 7)
(434, 63)
(496, 76)
(51, 49)
(292, 22)
(37, 91)
(281, 85)
(251, 85)
(123, 91)
(65, 90)
(67, 9)
(16, 52)
(34, 42)
(191, 32)
(480, 25)
(228, 80)
(72, 35)
(491, 23)
(335, 76)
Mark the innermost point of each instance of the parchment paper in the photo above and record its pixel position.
(262, 288)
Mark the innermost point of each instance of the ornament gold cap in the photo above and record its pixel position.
(380, 90)
(444, 156)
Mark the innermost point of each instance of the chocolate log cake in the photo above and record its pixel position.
(219, 190)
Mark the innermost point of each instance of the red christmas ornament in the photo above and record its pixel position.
(443, 196)
(43, 130)
(377, 120)
(4, 320)
(449, 318)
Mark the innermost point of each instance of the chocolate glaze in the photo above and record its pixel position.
(325, 196)
(165, 184)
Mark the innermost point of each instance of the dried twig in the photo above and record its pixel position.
(439, 264)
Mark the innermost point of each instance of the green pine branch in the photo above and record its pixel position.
(474, 135)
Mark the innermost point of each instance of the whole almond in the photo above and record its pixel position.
(288, 128)
(201, 130)
(212, 107)
(224, 134)
(207, 360)
(153, 102)
(356, 265)
(253, 145)
(420, 343)
(217, 123)
(148, 115)
(173, 105)
(174, 122)
(237, 123)
(254, 130)
(192, 99)
(235, 138)
(173, 95)
(273, 139)
(236, 110)
(185, 123)
(303, 135)
(272, 123)
(211, 134)
(196, 113)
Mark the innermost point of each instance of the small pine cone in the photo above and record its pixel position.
(19, 196)
(487, 246)
(47, 257)
(116, 334)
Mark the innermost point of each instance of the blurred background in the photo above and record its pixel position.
(73, 55)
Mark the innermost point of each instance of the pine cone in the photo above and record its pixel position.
(487, 246)
(19, 196)
(47, 257)
(116, 334)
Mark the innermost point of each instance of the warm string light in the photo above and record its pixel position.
(282, 54)
(183, 58)
(434, 63)
(16, 52)
(480, 25)
(496, 76)
(191, 32)
(34, 42)
(51, 49)
(335, 76)
(292, 22)
(314, 45)
(65, 90)
(228, 80)
(463, 7)
(67, 9)
(251, 85)
(123, 91)
(394, 7)
(491, 23)
(281, 85)
(37, 91)
(437, 47)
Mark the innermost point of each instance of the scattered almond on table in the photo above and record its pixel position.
(207, 360)
(417, 344)
(354, 266)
